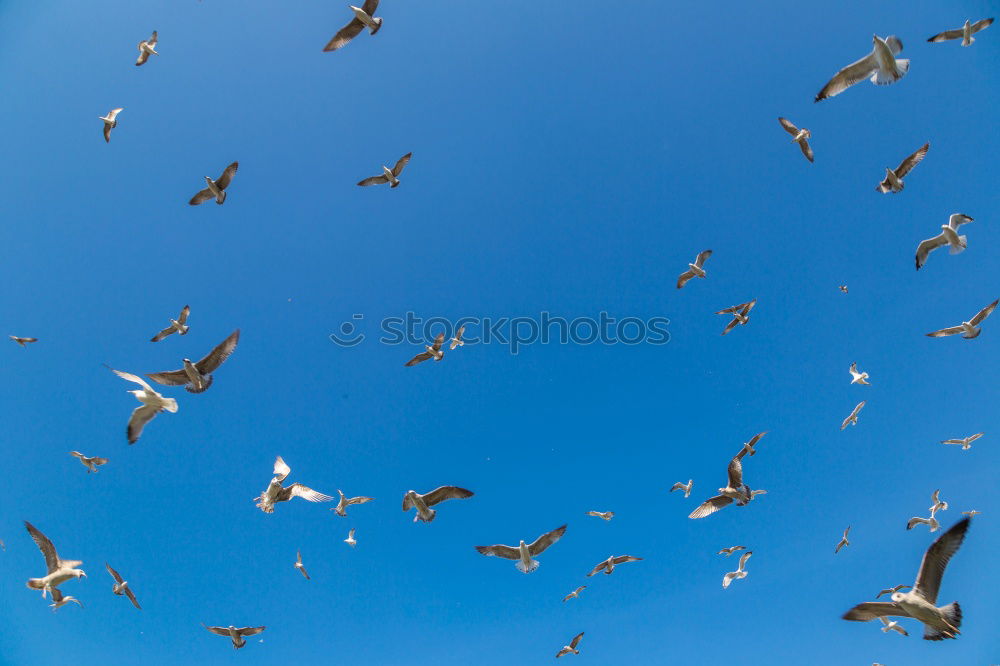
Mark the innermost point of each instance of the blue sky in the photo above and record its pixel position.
(566, 159)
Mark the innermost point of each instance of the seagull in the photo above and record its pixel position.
(729, 551)
(524, 553)
(422, 503)
(197, 377)
(236, 634)
(571, 647)
(741, 314)
(110, 122)
(457, 340)
(22, 341)
(58, 571)
(969, 329)
(609, 564)
(931, 522)
(921, 602)
(574, 594)
(893, 181)
(216, 188)
(880, 65)
(748, 446)
(843, 541)
(694, 270)
(146, 48)
(948, 236)
(685, 488)
(800, 136)
(433, 351)
(890, 590)
(938, 504)
(607, 515)
(90, 463)
(965, 33)
(152, 404)
(388, 175)
(740, 571)
(858, 377)
(341, 508)
(298, 564)
(972, 513)
(275, 493)
(735, 490)
(176, 326)
(121, 586)
(892, 625)
(363, 18)
(965, 442)
(350, 540)
(853, 418)
(843, 288)
(59, 599)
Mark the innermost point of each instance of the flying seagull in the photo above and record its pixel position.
(57, 571)
(741, 314)
(197, 377)
(748, 446)
(216, 188)
(607, 515)
(121, 587)
(892, 625)
(341, 508)
(729, 551)
(110, 122)
(938, 504)
(694, 270)
(146, 48)
(609, 564)
(799, 136)
(152, 404)
(880, 65)
(852, 419)
(893, 181)
(22, 341)
(457, 340)
(90, 463)
(890, 590)
(740, 571)
(843, 288)
(178, 325)
(275, 493)
(59, 599)
(571, 647)
(350, 540)
(972, 514)
(948, 236)
(388, 175)
(524, 553)
(965, 33)
(433, 351)
(735, 490)
(574, 594)
(423, 503)
(298, 564)
(931, 522)
(921, 602)
(236, 634)
(364, 17)
(965, 442)
(858, 377)
(685, 488)
(969, 329)
(843, 541)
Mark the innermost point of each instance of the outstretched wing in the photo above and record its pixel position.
(218, 356)
(683, 278)
(250, 631)
(621, 559)
(927, 246)
(499, 550)
(981, 24)
(789, 127)
(873, 609)
(221, 631)
(44, 545)
(598, 568)
(438, 341)
(227, 176)
(735, 471)
(419, 358)
(946, 35)
(701, 258)
(848, 76)
(543, 542)
(201, 197)
(710, 506)
(936, 559)
(576, 640)
(984, 313)
(373, 180)
(141, 415)
(345, 34)
(307, 493)
(913, 160)
(400, 164)
(952, 330)
(114, 574)
(443, 493)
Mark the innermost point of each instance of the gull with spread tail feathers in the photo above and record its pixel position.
(524, 553)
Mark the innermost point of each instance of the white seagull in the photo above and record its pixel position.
(90, 463)
(178, 325)
(524, 553)
(121, 586)
(58, 571)
(843, 541)
(110, 122)
(571, 647)
(858, 377)
(457, 340)
(972, 513)
(748, 446)
(890, 590)
(880, 65)
(152, 404)
(432, 351)
(735, 490)
(423, 503)
(852, 419)
(350, 540)
(893, 181)
(969, 329)
(216, 188)
(948, 236)
(892, 625)
(931, 522)
(729, 551)
(739, 573)
(147, 48)
(609, 564)
(606, 515)
(275, 493)
(686, 488)
(799, 136)
(741, 315)
(388, 175)
(59, 599)
(364, 17)
(694, 270)
(965, 33)
(965, 442)
(298, 564)
(341, 508)
(197, 377)
(938, 504)
(574, 594)
(236, 634)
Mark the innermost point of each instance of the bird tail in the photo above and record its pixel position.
(378, 25)
(221, 199)
(962, 244)
(532, 565)
(968, 41)
(171, 405)
(421, 518)
(883, 78)
(191, 389)
(953, 615)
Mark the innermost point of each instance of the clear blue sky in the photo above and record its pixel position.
(568, 157)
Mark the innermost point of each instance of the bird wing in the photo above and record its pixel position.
(598, 568)
(222, 631)
(345, 34)
(735, 471)
(143, 56)
(873, 609)
(683, 278)
(984, 313)
(185, 311)
(359, 500)
(956, 220)
(576, 640)
(848, 76)
(281, 468)
(44, 545)
(370, 7)
(952, 330)
(499, 550)
(625, 558)
(307, 493)
(710, 506)
(373, 180)
(926, 246)
(141, 415)
(128, 376)
(77, 454)
(419, 358)
(946, 35)
(227, 176)
(162, 334)
(807, 150)
(731, 309)
(446, 493)
(438, 341)
(980, 25)
(400, 164)
(913, 160)
(107, 133)
(702, 257)
(218, 356)
(730, 326)
(936, 559)
(744, 558)
(543, 542)
(250, 631)
(114, 574)
(131, 597)
(972, 438)
(789, 127)
(152, 40)
(678, 486)
(756, 438)
(201, 197)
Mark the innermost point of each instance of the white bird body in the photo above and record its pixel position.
(965, 33)
(526, 564)
(858, 377)
(965, 442)
(370, 23)
(739, 573)
(350, 540)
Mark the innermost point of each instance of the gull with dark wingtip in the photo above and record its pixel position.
(216, 189)
(965, 33)
(433, 351)
(695, 269)
(58, 571)
(736, 490)
(852, 418)
(147, 47)
(948, 236)
(388, 175)
(740, 313)
(90, 463)
(965, 442)
(178, 326)
(423, 503)
(799, 136)
(571, 648)
(121, 586)
(685, 487)
(152, 404)
(881, 66)
(608, 565)
(197, 377)
(341, 508)
(24, 342)
(364, 17)
(969, 329)
(524, 553)
(893, 181)
(236, 634)
(275, 492)
(110, 122)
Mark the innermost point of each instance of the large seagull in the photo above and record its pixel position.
(524, 553)
(197, 377)
(880, 65)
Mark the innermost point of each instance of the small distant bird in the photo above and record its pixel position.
(121, 587)
(58, 571)
(880, 65)
(931, 522)
(748, 446)
(893, 181)
(694, 270)
(275, 493)
(298, 564)
(350, 540)
(938, 504)
(457, 340)
(843, 288)
(972, 513)
(729, 551)
(197, 377)
(892, 625)
(609, 564)
(110, 122)
(741, 314)
(90, 463)
(969, 329)
(341, 508)
(22, 341)
(739, 573)
(388, 175)
(735, 490)
(59, 599)
(178, 325)
(571, 647)
(152, 404)
(364, 17)
(146, 48)
(524, 553)
(423, 503)
(574, 594)
(852, 419)
(858, 377)
(921, 602)
(948, 236)
(799, 136)
(965, 33)
(890, 590)
(685, 488)
(216, 188)
(843, 541)
(433, 351)
(236, 634)
(607, 515)
(965, 442)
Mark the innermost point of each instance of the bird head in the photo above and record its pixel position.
(898, 596)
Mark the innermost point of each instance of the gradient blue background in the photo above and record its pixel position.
(569, 157)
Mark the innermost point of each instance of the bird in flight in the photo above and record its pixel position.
(843, 541)
(734, 490)
(890, 590)
(388, 175)
(748, 446)
(216, 189)
(275, 493)
(969, 329)
(965, 33)
(178, 325)
(606, 515)
(147, 47)
(858, 377)
(965, 442)
(574, 594)
(685, 488)
(121, 587)
(58, 571)
(364, 17)
(423, 503)
(350, 540)
(433, 351)
(893, 181)
(59, 599)
(739, 573)
(90, 463)
(609, 564)
(110, 122)
(571, 648)
(729, 551)
(457, 340)
(799, 136)
(694, 270)
(197, 377)
(152, 404)
(852, 418)
(23, 341)
(741, 315)
(524, 553)
(298, 564)
(948, 236)
(236, 634)
(881, 65)
(341, 508)
(892, 625)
